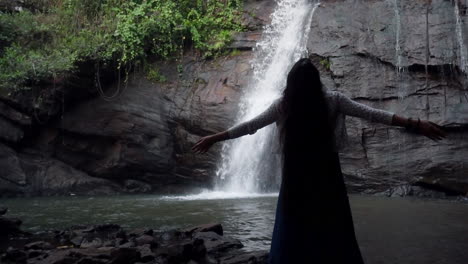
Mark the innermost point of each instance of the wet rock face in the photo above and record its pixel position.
(137, 143)
(355, 44)
(12, 123)
(34, 173)
(143, 138)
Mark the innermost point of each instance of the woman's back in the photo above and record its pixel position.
(339, 106)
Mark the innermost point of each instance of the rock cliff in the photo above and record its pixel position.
(73, 141)
(402, 56)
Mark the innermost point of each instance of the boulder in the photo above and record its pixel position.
(14, 115)
(92, 243)
(141, 231)
(14, 256)
(216, 244)
(38, 245)
(146, 254)
(9, 131)
(216, 228)
(32, 172)
(10, 226)
(124, 255)
(133, 186)
(144, 240)
(259, 257)
(176, 252)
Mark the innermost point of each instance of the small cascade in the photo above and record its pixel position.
(397, 35)
(401, 66)
(248, 164)
(463, 52)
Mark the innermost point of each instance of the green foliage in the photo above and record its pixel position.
(235, 52)
(326, 63)
(20, 66)
(154, 75)
(58, 34)
(204, 27)
(180, 68)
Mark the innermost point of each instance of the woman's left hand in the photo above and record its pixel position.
(204, 144)
(431, 130)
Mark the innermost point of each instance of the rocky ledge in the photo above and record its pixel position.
(110, 243)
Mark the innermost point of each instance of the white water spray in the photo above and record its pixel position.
(248, 163)
(461, 44)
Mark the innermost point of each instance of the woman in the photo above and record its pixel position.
(313, 221)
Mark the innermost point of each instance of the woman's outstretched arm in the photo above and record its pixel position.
(424, 127)
(267, 117)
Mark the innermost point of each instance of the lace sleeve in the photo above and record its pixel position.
(267, 117)
(352, 108)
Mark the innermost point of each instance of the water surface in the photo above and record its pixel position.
(389, 230)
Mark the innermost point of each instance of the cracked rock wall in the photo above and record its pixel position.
(402, 56)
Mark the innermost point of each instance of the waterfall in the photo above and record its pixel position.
(247, 163)
(461, 44)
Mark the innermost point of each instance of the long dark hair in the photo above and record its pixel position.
(306, 135)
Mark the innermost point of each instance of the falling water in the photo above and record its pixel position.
(248, 164)
(461, 44)
(402, 74)
(396, 9)
(401, 70)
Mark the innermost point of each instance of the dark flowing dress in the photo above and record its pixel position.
(313, 222)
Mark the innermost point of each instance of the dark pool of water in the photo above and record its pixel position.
(389, 230)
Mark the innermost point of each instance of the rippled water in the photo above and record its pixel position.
(389, 230)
